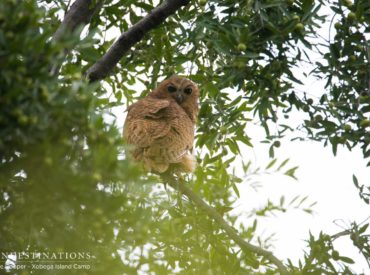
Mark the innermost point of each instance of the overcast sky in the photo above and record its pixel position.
(325, 179)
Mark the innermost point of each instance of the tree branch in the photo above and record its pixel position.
(157, 16)
(79, 14)
(230, 231)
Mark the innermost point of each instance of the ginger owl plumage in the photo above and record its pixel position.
(161, 126)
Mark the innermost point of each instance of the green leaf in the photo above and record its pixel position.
(236, 190)
(282, 164)
(346, 260)
(271, 151)
(245, 140)
(271, 163)
(291, 172)
(363, 229)
(355, 181)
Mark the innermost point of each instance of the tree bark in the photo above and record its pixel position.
(158, 15)
(79, 14)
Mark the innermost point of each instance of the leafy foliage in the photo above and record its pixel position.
(345, 110)
(66, 184)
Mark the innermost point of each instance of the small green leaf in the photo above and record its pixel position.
(271, 164)
(291, 172)
(283, 164)
(236, 190)
(346, 260)
(271, 152)
(363, 228)
(355, 181)
(282, 201)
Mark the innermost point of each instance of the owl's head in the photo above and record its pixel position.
(183, 91)
(179, 88)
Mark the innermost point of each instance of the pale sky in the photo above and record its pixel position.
(325, 179)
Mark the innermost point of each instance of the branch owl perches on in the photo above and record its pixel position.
(161, 126)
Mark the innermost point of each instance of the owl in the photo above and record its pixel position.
(160, 127)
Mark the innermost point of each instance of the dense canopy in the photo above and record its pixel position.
(66, 184)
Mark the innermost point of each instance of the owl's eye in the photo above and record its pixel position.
(188, 91)
(171, 89)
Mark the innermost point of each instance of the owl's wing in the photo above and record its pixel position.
(146, 121)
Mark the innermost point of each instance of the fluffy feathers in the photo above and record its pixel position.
(161, 126)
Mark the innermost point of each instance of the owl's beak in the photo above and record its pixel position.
(179, 97)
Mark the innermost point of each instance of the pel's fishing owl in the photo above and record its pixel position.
(161, 126)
